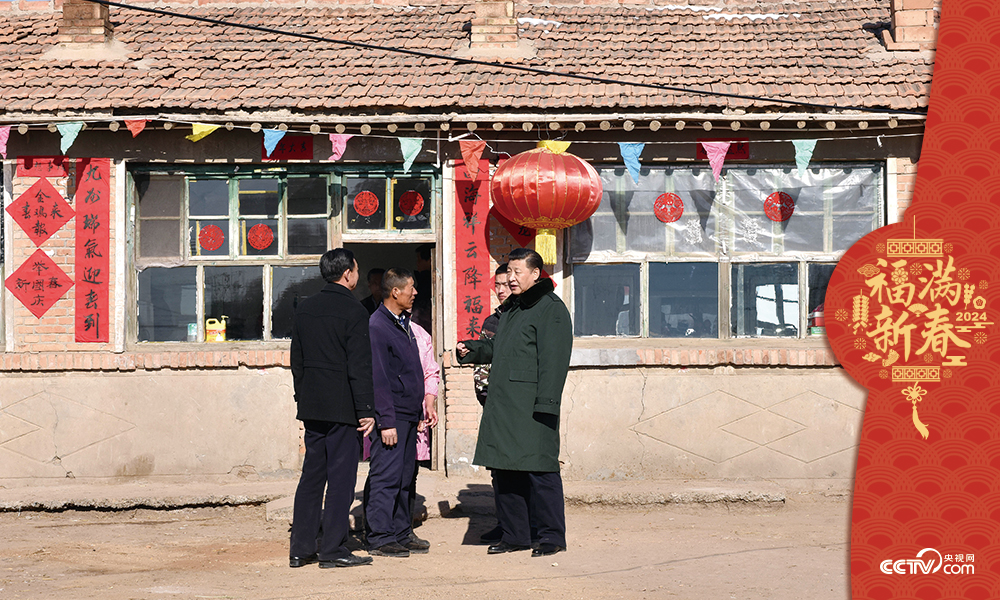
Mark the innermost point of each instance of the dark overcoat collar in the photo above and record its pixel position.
(532, 295)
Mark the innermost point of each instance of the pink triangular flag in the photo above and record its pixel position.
(135, 125)
(339, 143)
(716, 152)
(4, 136)
(472, 151)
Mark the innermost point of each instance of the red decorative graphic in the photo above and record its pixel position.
(739, 148)
(365, 203)
(290, 147)
(260, 236)
(779, 207)
(472, 251)
(668, 207)
(904, 310)
(211, 237)
(40, 211)
(93, 249)
(39, 283)
(42, 166)
(411, 203)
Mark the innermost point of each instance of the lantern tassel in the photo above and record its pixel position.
(545, 244)
(920, 426)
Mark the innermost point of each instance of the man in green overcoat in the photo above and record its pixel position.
(519, 433)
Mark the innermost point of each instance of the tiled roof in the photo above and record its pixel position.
(825, 52)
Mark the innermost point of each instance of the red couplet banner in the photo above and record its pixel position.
(472, 257)
(93, 249)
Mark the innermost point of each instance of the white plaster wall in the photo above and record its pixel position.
(101, 425)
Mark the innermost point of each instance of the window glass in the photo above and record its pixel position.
(307, 236)
(684, 300)
(606, 299)
(765, 300)
(160, 195)
(412, 203)
(819, 277)
(160, 238)
(236, 295)
(306, 195)
(599, 232)
(365, 203)
(259, 197)
(208, 198)
(168, 303)
(290, 285)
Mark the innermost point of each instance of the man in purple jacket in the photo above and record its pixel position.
(399, 394)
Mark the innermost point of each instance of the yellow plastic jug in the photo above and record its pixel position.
(215, 329)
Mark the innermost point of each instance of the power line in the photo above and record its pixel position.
(495, 65)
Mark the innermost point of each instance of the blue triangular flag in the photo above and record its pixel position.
(803, 154)
(411, 148)
(68, 131)
(271, 139)
(630, 154)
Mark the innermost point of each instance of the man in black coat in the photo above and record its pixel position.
(331, 363)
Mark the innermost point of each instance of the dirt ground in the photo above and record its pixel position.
(692, 552)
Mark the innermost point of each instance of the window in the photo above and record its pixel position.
(239, 247)
(680, 255)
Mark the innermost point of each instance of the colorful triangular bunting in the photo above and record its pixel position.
(68, 131)
(716, 152)
(135, 125)
(411, 148)
(339, 143)
(4, 136)
(271, 139)
(199, 131)
(630, 154)
(803, 154)
(472, 151)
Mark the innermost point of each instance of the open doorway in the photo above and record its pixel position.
(414, 257)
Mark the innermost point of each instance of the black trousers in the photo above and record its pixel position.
(387, 491)
(331, 462)
(530, 507)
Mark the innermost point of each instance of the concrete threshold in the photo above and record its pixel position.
(438, 495)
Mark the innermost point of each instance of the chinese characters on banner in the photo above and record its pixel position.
(39, 283)
(290, 147)
(93, 244)
(472, 259)
(917, 315)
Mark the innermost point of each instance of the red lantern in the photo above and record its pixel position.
(546, 189)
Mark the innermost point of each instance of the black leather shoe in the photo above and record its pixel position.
(392, 549)
(505, 547)
(547, 550)
(300, 561)
(345, 561)
(417, 546)
(492, 536)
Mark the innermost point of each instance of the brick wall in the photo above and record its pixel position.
(54, 331)
(906, 179)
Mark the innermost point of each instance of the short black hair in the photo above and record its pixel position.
(394, 278)
(501, 270)
(374, 272)
(532, 259)
(424, 251)
(334, 262)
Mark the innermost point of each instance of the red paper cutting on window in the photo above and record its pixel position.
(411, 203)
(779, 207)
(668, 207)
(211, 237)
(40, 211)
(260, 236)
(365, 203)
(39, 283)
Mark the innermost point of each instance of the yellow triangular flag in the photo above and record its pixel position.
(198, 131)
(554, 146)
